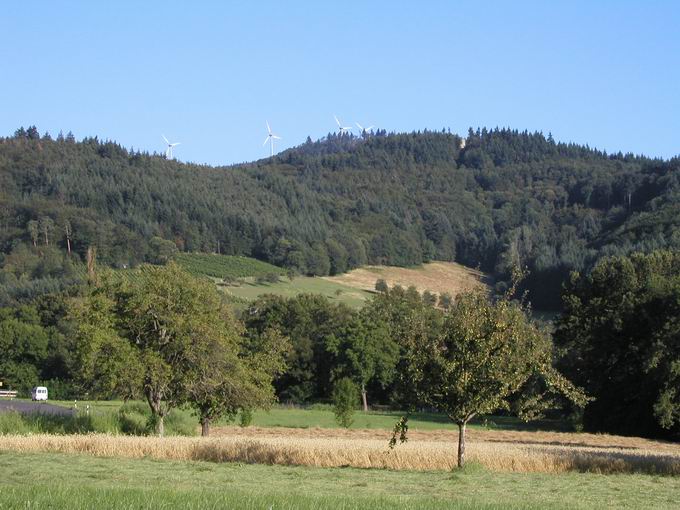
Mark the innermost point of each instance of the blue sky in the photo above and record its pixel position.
(208, 74)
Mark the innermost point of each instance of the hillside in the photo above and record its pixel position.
(224, 266)
(436, 277)
(508, 198)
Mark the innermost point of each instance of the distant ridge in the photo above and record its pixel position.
(507, 198)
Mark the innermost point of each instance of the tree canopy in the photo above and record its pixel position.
(165, 335)
(620, 336)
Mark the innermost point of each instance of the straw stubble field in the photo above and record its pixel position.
(497, 451)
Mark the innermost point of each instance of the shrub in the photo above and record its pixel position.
(445, 300)
(246, 418)
(271, 278)
(13, 422)
(345, 400)
(381, 285)
(134, 419)
(429, 298)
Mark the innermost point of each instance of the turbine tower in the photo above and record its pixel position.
(363, 129)
(341, 128)
(270, 138)
(168, 151)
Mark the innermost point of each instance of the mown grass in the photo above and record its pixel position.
(321, 416)
(335, 292)
(324, 418)
(59, 481)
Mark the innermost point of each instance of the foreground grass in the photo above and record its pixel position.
(59, 481)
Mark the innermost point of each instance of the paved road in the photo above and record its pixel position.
(23, 406)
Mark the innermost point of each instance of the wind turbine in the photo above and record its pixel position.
(270, 138)
(341, 128)
(168, 151)
(363, 129)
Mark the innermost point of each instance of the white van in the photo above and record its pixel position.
(39, 393)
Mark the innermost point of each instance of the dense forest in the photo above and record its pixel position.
(502, 198)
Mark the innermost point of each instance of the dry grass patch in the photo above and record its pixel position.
(297, 450)
(437, 277)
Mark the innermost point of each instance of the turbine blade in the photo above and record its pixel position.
(269, 130)
(265, 141)
(276, 137)
(166, 140)
(359, 126)
(175, 144)
(336, 120)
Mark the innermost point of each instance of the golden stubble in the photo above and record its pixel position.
(524, 452)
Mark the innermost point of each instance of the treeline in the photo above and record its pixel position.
(162, 335)
(618, 340)
(507, 198)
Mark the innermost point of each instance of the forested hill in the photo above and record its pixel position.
(506, 198)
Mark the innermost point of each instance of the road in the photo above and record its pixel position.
(24, 406)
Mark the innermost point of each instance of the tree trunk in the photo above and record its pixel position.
(363, 398)
(160, 426)
(205, 427)
(68, 245)
(461, 444)
(157, 411)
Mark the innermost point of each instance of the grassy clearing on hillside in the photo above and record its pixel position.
(60, 481)
(225, 266)
(336, 292)
(437, 277)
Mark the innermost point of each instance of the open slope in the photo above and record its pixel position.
(436, 277)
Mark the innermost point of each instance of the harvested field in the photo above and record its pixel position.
(437, 277)
(361, 452)
(450, 436)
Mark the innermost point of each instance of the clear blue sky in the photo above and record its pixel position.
(208, 74)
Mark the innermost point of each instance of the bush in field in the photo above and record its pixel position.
(381, 285)
(246, 418)
(429, 298)
(445, 300)
(345, 399)
(271, 278)
(13, 423)
(134, 419)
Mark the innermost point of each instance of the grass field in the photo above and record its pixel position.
(249, 290)
(60, 481)
(352, 288)
(437, 277)
(323, 417)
